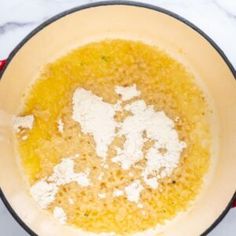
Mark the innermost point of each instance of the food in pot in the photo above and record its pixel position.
(115, 137)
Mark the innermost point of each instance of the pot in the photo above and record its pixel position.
(135, 21)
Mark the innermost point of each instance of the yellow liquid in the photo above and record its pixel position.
(99, 67)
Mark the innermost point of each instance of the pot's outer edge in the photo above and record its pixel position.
(108, 3)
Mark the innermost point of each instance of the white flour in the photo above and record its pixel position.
(60, 125)
(23, 122)
(118, 193)
(60, 214)
(127, 93)
(158, 128)
(44, 193)
(45, 190)
(96, 117)
(63, 173)
(133, 191)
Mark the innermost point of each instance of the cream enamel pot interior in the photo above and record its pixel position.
(129, 21)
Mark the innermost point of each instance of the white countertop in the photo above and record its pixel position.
(217, 18)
